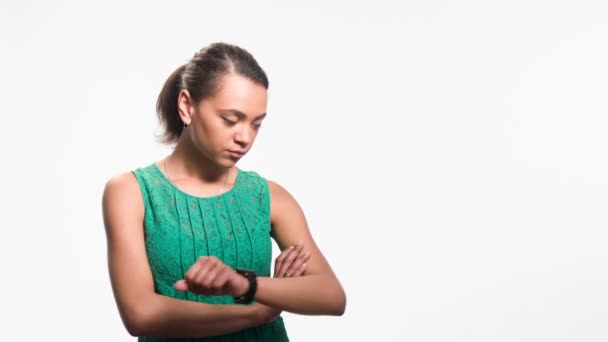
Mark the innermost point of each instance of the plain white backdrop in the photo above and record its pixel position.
(450, 156)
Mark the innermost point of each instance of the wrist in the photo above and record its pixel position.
(247, 288)
(243, 286)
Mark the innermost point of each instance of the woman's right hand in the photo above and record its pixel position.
(290, 263)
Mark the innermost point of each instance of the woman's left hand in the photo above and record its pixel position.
(291, 262)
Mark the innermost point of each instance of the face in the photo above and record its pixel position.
(224, 127)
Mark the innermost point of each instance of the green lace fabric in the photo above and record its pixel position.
(233, 226)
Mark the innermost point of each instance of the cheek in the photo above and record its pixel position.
(205, 138)
(219, 137)
(210, 132)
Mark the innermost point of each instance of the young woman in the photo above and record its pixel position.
(189, 247)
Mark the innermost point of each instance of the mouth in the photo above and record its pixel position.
(236, 154)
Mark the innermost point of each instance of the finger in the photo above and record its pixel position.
(221, 276)
(212, 268)
(279, 260)
(299, 271)
(287, 255)
(295, 265)
(191, 271)
(195, 268)
(206, 279)
(195, 280)
(181, 285)
(289, 259)
(221, 280)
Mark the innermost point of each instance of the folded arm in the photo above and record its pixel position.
(312, 290)
(142, 310)
(317, 291)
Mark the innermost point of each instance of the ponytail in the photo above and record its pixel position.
(166, 107)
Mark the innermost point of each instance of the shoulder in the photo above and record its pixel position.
(122, 195)
(123, 208)
(130, 183)
(122, 184)
(278, 191)
(282, 202)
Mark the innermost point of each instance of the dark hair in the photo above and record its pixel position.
(201, 78)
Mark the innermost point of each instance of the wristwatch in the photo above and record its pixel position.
(252, 277)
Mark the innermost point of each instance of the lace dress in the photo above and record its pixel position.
(233, 226)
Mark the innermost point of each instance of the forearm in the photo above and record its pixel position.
(170, 317)
(307, 295)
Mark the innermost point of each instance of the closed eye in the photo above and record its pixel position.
(229, 122)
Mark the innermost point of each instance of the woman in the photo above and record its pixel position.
(189, 247)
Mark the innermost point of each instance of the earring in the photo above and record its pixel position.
(185, 125)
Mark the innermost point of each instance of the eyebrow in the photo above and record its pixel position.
(240, 114)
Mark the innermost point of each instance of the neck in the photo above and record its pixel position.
(186, 161)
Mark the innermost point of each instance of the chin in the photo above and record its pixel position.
(227, 162)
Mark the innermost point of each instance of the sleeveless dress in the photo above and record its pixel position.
(233, 226)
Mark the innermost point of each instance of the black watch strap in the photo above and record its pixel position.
(252, 277)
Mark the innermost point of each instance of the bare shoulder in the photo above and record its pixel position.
(277, 191)
(286, 216)
(122, 186)
(281, 201)
(122, 200)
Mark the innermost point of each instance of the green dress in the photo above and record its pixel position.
(233, 226)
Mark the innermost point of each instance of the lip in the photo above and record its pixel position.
(237, 154)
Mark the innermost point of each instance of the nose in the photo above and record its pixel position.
(243, 137)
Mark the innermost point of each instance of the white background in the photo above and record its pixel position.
(450, 156)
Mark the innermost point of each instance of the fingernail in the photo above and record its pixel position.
(303, 265)
(307, 254)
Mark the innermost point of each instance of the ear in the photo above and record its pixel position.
(185, 106)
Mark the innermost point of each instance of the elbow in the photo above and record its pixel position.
(138, 321)
(340, 310)
(135, 328)
(135, 325)
(342, 306)
(339, 306)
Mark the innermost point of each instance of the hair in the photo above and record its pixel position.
(201, 77)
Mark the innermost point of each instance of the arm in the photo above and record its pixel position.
(317, 291)
(142, 310)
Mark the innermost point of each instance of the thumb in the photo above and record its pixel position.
(181, 285)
